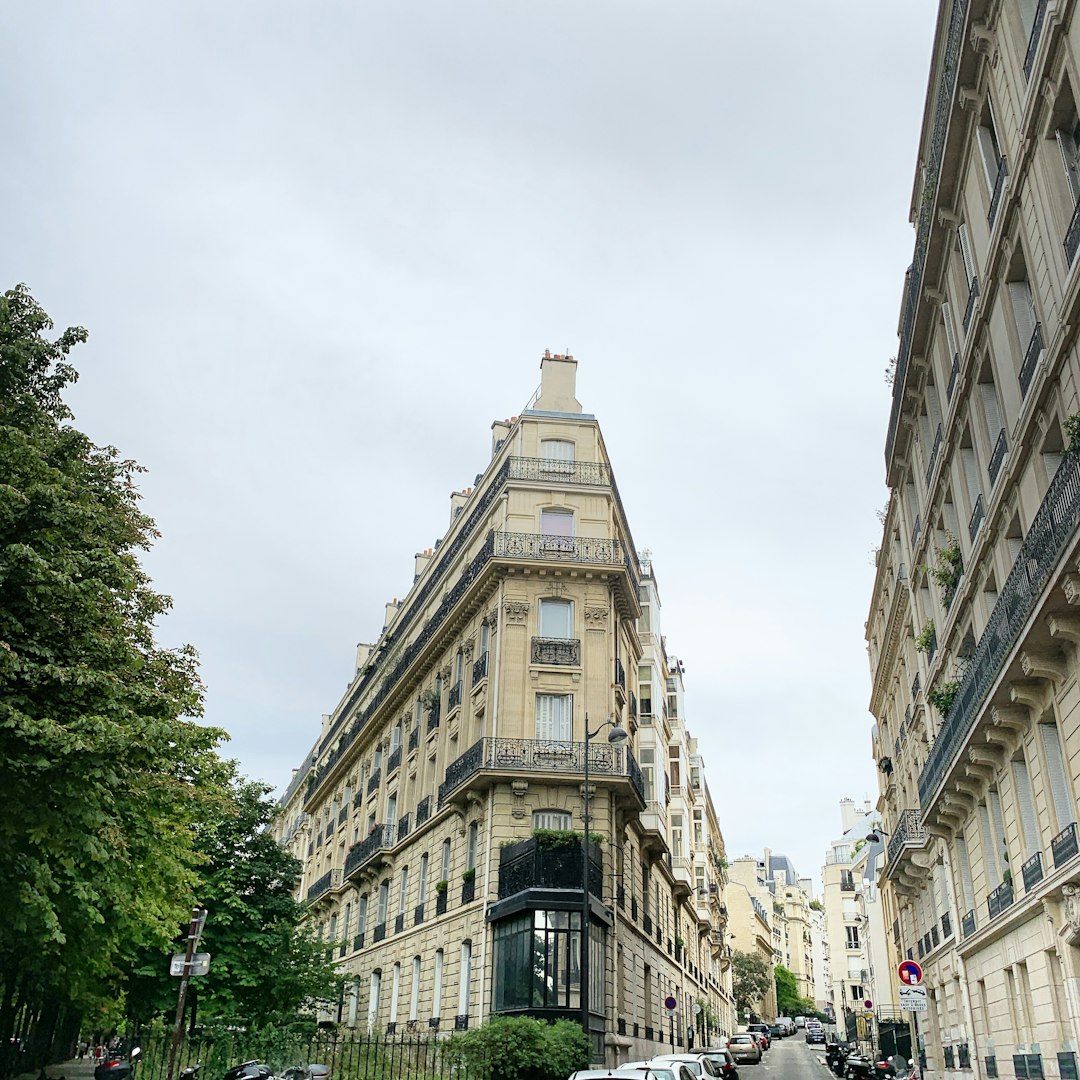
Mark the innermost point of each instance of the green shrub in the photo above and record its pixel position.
(519, 1048)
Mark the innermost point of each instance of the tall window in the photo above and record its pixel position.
(557, 529)
(485, 639)
(414, 990)
(556, 619)
(677, 836)
(436, 993)
(989, 147)
(384, 904)
(403, 892)
(852, 936)
(464, 979)
(459, 667)
(391, 811)
(395, 990)
(551, 819)
(537, 961)
(361, 914)
(648, 772)
(444, 871)
(470, 847)
(395, 737)
(554, 717)
(1022, 786)
(556, 457)
(374, 989)
(1064, 810)
(422, 883)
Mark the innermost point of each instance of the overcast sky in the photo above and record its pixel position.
(319, 248)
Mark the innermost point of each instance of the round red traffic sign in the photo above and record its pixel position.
(910, 973)
(670, 1003)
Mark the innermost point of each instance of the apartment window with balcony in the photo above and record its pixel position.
(391, 811)
(994, 166)
(485, 638)
(674, 766)
(383, 906)
(556, 619)
(1029, 829)
(551, 819)
(952, 348)
(677, 836)
(972, 483)
(554, 717)
(470, 845)
(374, 989)
(993, 419)
(557, 528)
(395, 737)
(699, 821)
(644, 624)
(361, 914)
(1028, 331)
(444, 864)
(459, 668)
(422, 881)
(464, 978)
(556, 457)
(967, 261)
(395, 990)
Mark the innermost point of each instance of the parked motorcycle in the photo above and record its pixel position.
(117, 1067)
(861, 1067)
(306, 1072)
(250, 1070)
(836, 1055)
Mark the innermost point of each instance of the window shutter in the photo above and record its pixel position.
(561, 718)
(1055, 769)
(950, 330)
(1067, 147)
(1023, 311)
(1027, 806)
(545, 712)
(991, 409)
(989, 153)
(965, 253)
(964, 862)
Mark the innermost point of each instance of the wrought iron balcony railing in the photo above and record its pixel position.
(373, 781)
(1033, 40)
(556, 651)
(973, 296)
(977, 516)
(330, 880)
(453, 699)
(423, 810)
(933, 455)
(379, 839)
(403, 827)
(1000, 899)
(414, 737)
(997, 457)
(1053, 526)
(954, 374)
(995, 195)
(967, 926)
(480, 668)
(908, 832)
(1064, 846)
(540, 755)
(1031, 359)
(433, 715)
(579, 549)
(393, 762)
(1072, 236)
(1032, 871)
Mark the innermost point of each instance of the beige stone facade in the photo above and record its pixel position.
(464, 731)
(974, 623)
(754, 924)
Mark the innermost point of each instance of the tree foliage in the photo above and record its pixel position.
(102, 767)
(788, 1001)
(751, 979)
(520, 1048)
(263, 966)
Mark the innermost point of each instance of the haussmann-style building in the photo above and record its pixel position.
(433, 814)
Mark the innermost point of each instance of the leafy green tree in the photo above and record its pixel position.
(751, 979)
(264, 967)
(102, 767)
(788, 1001)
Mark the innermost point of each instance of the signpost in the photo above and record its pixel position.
(670, 1004)
(195, 929)
(910, 973)
(200, 964)
(913, 998)
(911, 995)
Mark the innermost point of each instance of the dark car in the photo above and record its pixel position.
(723, 1060)
(776, 1031)
(763, 1031)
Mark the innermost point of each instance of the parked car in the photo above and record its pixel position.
(660, 1070)
(763, 1031)
(693, 1059)
(723, 1059)
(776, 1031)
(800, 1021)
(787, 1024)
(815, 1033)
(745, 1048)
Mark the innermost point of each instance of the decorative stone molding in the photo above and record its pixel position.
(493, 619)
(467, 647)
(1065, 626)
(935, 296)
(1070, 906)
(1042, 665)
(1030, 694)
(519, 788)
(556, 588)
(596, 617)
(947, 218)
(516, 611)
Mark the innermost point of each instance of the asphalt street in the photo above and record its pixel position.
(789, 1059)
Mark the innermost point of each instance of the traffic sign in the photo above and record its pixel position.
(670, 1003)
(868, 1004)
(200, 964)
(910, 973)
(912, 998)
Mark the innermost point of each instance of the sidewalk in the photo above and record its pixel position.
(69, 1070)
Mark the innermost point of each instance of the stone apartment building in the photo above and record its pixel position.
(973, 626)
(862, 963)
(463, 733)
(754, 923)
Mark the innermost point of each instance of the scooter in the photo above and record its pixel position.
(836, 1055)
(249, 1070)
(118, 1068)
(861, 1067)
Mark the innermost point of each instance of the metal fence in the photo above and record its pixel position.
(349, 1056)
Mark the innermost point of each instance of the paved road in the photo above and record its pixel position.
(789, 1059)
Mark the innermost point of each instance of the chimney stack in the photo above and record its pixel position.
(422, 559)
(558, 381)
(363, 653)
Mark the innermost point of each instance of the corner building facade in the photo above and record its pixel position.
(974, 624)
(431, 816)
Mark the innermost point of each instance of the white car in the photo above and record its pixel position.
(644, 1070)
(698, 1065)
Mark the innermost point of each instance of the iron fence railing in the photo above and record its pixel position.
(1051, 530)
(1031, 359)
(1033, 40)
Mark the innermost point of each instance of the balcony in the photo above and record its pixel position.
(935, 449)
(433, 714)
(414, 738)
(393, 762)
(480, 669)
(999, 187)
(997, 457)
(969, 308)
(683, 873)
(537, 864)
(1033, 40)
(381, 838)
(977, 516)
(1052, 530)
(561, 651)
(453, 699)
(1000, 899)
(954, 374)
(909, 833)
(1031, 359)
(373, 781)
(330, 880)
(423, 810)
(1072, 236)
(1064, 847)
(967, 926)
(491, 760)
(403, 828)
(1032, 871)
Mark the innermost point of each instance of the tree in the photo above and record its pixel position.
(751, 979)
(102, 765)
(788, 1001)
(264, 967)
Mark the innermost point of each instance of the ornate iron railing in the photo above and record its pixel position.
(468, 891)
(1033, 40)
(556, 651)
(1072, 236)
(373, 781)
(946, 926)
(480, 668)
(1031, 359)
(330, 880)
(1064, 846)
(540, 755)
(441, 901)
(943, 106)
(933, 455)
(1032, 871)
(393, 761)
(1000, 899)
(433, 715)
(1053, 527)
(999, 186)
(453, 699)
(908, 831)
(399, 922)
(379, 839)
(1001, 447)
(954, 374)
(403, 827)
(620, 673)
(379, 934)
(967, 924)
(343, 815)
(969, 309)
(977, 516)
(418, 915)
(916, 532)
(423, 810)
(414, 737)
(580, 549)
(552, 470)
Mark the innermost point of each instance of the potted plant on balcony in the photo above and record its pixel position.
(468, 875)
(925, 637)
(442, 886)
(943, 695)
(949, 568)
(429, 699)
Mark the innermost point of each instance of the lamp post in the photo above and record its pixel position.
(616, 737)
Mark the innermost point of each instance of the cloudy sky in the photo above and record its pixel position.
(319, 248)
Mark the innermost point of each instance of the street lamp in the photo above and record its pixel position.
(616, 737)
